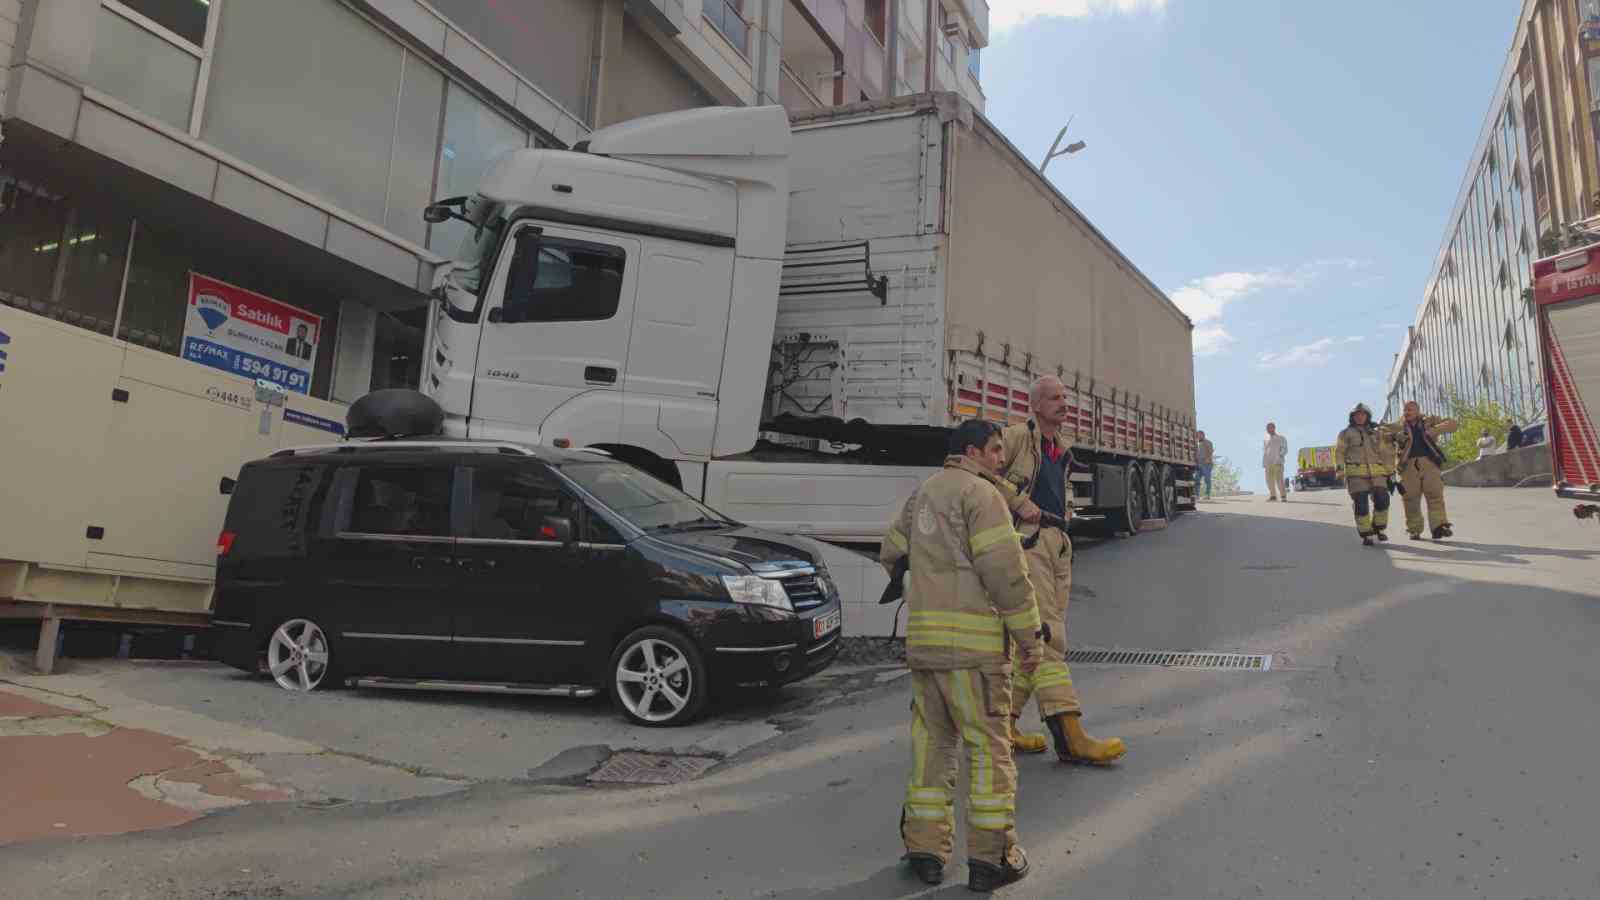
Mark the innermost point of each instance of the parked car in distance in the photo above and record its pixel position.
(444, 564)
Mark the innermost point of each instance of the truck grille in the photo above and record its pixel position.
(804, 591)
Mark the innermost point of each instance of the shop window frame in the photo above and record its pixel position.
(202, 52)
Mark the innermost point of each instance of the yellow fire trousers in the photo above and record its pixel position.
(951, 711)
(1370, 497)
(1050, 573)
(1421, 480)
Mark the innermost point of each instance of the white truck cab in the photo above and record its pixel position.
(620, 296)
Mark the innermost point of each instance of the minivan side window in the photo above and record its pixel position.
(406, 501)
(563, 280)
(511, 504)
(275, 508)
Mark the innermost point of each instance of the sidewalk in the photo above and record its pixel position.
(77, 758)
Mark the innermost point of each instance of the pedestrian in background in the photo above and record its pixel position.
(1421, 461)
(1205, 458)
(1366, 462)
(1274, 451)
(1513, 434)
(970, 600)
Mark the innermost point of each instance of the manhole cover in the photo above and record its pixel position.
(1259, 662)
(652, 768)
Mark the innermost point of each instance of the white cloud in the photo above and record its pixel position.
(1203, 299)
(1313, 354)
(1210, 340)
(1005, 14)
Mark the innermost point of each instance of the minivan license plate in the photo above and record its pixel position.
(825, 623)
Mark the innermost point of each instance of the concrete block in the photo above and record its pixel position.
(1506, 469)
(268, 205)
(371, 252)
(45, 101)
(146, 149)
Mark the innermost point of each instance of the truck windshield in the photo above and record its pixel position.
(647, 502)
(478, 246)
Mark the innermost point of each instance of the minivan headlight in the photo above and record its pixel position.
(757, 591)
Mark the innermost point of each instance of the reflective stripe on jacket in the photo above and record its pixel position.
(1366, 452)
(968, 589)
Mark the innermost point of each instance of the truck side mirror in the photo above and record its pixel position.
(226, 486)
(554, 528)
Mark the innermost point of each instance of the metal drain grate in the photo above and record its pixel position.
(652, 768)
(1258, 662)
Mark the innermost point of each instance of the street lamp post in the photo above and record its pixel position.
(1071, 148)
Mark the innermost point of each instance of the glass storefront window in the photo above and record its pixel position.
(143, 70)
(96, 249)
(153, 306)
(474, 137)
(184, 18)
(33, 223)
(56, 260)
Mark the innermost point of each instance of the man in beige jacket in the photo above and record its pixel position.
(1037, 466)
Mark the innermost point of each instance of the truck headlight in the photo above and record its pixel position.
(757, 591)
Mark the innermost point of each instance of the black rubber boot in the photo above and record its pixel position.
(1366, 540)
(927, 867)
(1383, 536)
(1447, 530)
(986, 877)
(1441, 533)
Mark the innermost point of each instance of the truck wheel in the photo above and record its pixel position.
(1133, 503)
(1155, 478)
(1169, 493)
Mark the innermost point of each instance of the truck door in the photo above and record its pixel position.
(556, 334)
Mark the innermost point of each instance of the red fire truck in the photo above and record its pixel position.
(1567, 299)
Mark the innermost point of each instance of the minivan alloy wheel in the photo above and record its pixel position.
(654, 680)
(298, 655)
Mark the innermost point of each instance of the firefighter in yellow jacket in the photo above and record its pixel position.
(969, 600)
(1036, 465)
(1421, 463)
(1366, 462)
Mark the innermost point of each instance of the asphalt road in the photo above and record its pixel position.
(1427, 730)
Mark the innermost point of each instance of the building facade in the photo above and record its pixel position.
(1534, 170)
(288, 147)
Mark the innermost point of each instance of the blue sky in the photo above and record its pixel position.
(1284, 170)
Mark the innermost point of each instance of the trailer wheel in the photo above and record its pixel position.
(1169, 493)
(1127, 518)
(1155, 478)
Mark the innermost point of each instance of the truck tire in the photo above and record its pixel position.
(1155, 502)
(1127, 518)
(1169, 507)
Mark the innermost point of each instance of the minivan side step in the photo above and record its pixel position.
(475, 687)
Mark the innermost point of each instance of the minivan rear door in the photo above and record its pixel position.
(526, 614)
(390, 570)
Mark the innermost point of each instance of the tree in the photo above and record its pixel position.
(1224, 477)
(1476, 416)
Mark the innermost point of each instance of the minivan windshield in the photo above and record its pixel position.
(478, 245)
(649, 503)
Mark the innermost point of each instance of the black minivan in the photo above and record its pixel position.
(445, 564)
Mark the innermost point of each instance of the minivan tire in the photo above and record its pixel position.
(652, 670)
(296, 644)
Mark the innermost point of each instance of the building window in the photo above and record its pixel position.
(58, 260)
(877, 19)
(728, 17)
(568, 281)
(474, 137)
(184, 18)
(972, 61)
(145, 69)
